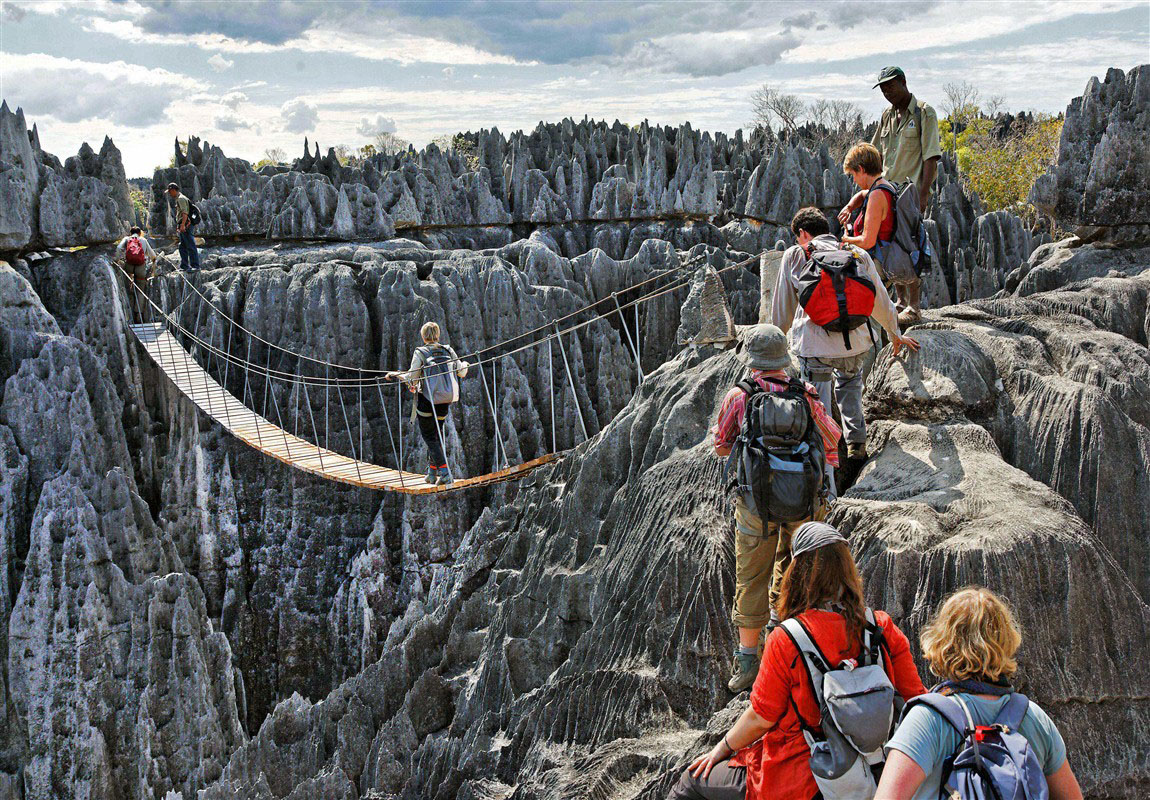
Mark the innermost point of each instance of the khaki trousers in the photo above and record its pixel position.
(761, 558)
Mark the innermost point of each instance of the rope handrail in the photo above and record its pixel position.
(380, 375)
(370, 370)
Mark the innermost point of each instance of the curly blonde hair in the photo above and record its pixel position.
(974, 635)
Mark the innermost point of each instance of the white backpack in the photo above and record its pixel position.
(856, 711)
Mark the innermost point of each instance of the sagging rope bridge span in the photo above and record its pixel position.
(203, 365)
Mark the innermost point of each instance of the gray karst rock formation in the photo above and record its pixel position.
(43, 202)
(183, 617)
(1101, 183)
(581, 186)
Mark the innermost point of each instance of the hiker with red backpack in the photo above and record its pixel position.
(824, 703)
(973, 737)
(826, 295)
(776, 435)
(434, 379)
(136, 251)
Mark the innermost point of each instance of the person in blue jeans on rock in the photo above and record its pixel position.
(970, 645)
(189, 255)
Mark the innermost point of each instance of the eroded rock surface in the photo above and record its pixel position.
(45, 203)
(1101, 182)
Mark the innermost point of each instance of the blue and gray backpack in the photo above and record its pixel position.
(992, 762)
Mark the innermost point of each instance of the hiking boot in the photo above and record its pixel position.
(909, 316)
(856, 451)
(744, 669)
(432, 475)
(445, 478)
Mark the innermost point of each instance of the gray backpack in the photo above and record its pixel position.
(438, 382)
(992, 762)
(907, 254)
(856, 712)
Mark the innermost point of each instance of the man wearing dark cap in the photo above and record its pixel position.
(762, 551)
(189, 255)
(907, 138)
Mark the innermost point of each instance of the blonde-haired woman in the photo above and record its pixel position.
(971, 645)
(433, 378)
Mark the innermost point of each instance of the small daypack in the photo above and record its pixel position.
(779, 455)
(906, 255)
(992, 762)
(193, 213)
(134, 252)
(439, 383)
(856, 714)
(834, 292)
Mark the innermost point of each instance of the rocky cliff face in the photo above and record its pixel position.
(183, 617)
(1101, 182)
(578, 649)
(46, 203)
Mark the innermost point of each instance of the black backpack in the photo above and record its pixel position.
(193, 214)
(779, 456)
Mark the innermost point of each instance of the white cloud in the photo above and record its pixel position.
(233, 99)
(230, 123)
(371, 127)
(72, 90)
(298, 116)
(219, 63)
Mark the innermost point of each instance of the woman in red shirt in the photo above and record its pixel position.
(764, 755)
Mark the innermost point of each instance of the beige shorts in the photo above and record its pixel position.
(761, 558)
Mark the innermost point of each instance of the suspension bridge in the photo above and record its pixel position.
(287, 414)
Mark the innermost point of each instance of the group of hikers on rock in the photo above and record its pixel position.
(837, 708)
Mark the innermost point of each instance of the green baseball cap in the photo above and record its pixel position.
(888, 74)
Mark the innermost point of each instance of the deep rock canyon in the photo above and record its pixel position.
(183, 617)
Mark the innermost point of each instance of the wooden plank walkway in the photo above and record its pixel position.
(258, 432)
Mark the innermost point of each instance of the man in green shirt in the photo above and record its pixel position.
(189, 255)
(907, 138)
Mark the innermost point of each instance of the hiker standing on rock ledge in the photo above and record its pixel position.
(186, 217)
(907, 138)
(830, 360)
(762, 538)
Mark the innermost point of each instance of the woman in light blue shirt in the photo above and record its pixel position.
(970, 645)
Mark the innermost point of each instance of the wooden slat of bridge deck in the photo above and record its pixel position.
(263, 435)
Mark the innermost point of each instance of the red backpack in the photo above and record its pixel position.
(134, 252)
(834, 292)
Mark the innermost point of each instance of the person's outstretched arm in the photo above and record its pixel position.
(747, 730)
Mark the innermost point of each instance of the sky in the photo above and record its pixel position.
(250, 75)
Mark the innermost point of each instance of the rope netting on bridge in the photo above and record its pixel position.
(295, 407)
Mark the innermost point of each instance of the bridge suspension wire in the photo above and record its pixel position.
(466, 356)
(179, 352)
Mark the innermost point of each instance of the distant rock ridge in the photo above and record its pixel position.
(45, 203)
(581, 185)
(1100, 185)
